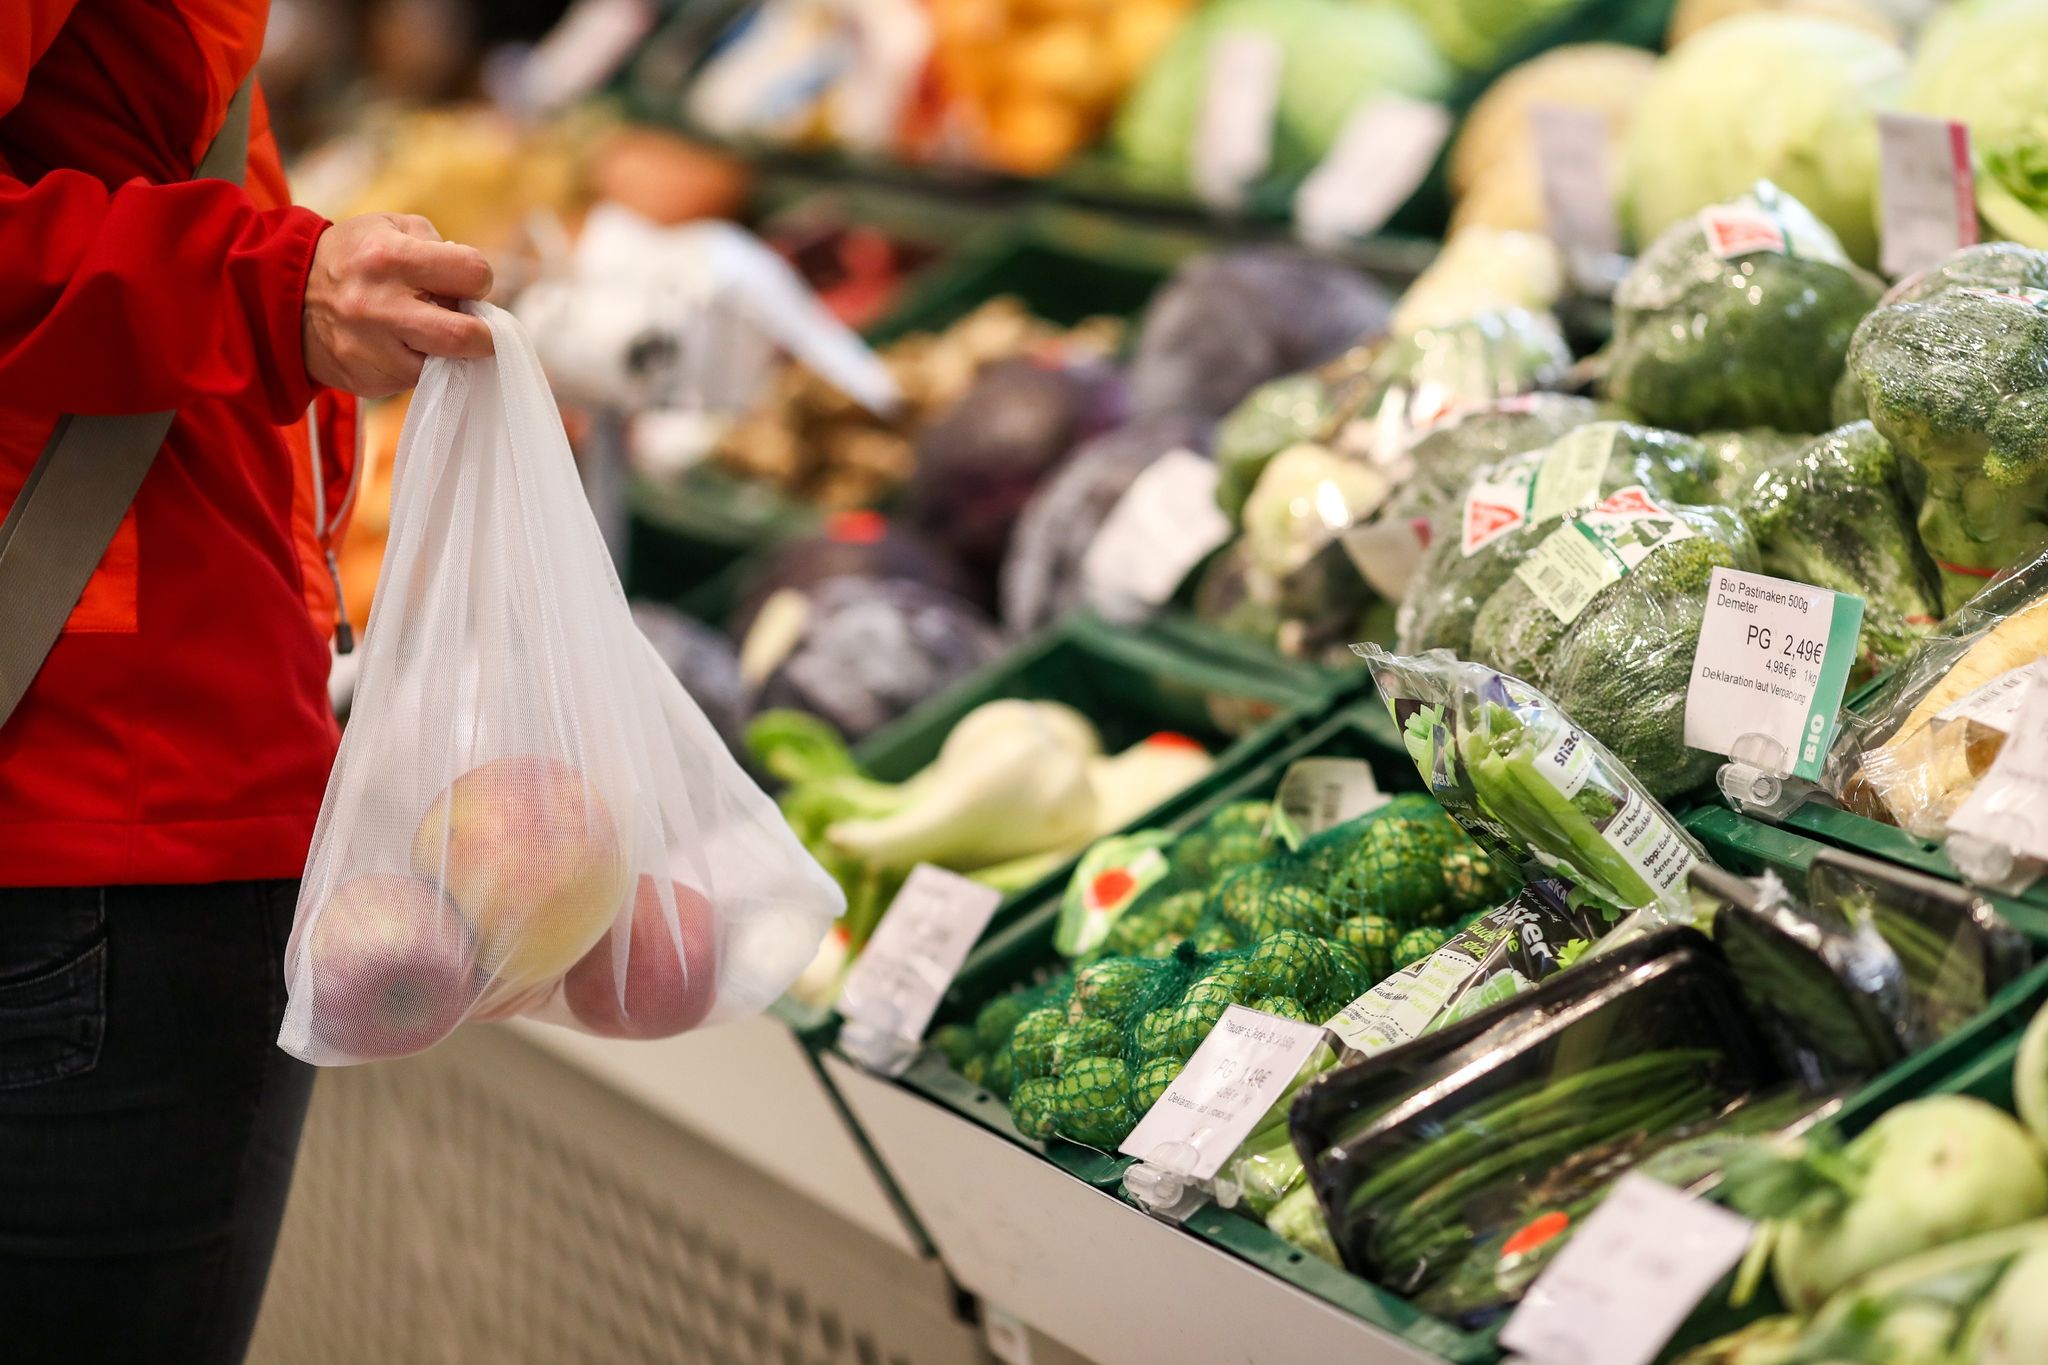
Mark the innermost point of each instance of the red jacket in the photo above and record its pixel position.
(180, 730)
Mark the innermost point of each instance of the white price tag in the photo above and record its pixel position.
(581, 52)
(1162, 526)
(1578, 195)
(1234, 134)
(1387, 553)
(1927, 190)
(1773, 659)
(1994, 705)
(900, 976)
(2010, 805)
(1636, 1267)
(1385, 149)
(1245, 1064)
(1317, 793)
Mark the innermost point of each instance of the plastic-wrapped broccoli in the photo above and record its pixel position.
(1739, 456)
(1623, 667)
(1836, 515)
(1511, 507)
(1738, 317)
(1954, 368)
(1450, 453)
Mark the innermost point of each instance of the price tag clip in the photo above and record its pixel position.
(1758, 781)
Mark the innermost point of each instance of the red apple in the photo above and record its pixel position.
(666, 992)
(394, 967)
(527, 848)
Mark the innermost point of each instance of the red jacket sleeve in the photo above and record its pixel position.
(145, 297)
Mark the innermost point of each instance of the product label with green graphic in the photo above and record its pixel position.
(1773, 661)
(1597, 547)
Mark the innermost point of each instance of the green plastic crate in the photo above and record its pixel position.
(1023, 952)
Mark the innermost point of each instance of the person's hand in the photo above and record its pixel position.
(378, 303)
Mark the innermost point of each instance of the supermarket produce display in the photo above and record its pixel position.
(1278, 560)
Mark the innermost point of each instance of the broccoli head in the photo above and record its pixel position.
(1739, 456)
(1752, 340)
(1954, 369)
(1450, 453)
(1450, 588)
(1837, 515)
(1622, 669)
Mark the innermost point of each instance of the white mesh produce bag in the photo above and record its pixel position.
(528, 814)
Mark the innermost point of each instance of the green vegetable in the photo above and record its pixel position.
(1480, 34)
(1334, 57)
(1739, 456)
(1928, 1172)
(1032, 1108)
(1001, 1076)
(1284, 1006)
(1032, 1042)
(1417, 944)
(1151, 1081)
(956, 1043)
(1091, 1102)
(1451, 587)
(1450, 453)
(1622, 670)
(1755, 341)
(1298, 1221)
(1981, 63)
(1089, 1038)
(1837, 515)
(998, 1020)
(2030, 1077)
(1954, 372)
(1768, 96)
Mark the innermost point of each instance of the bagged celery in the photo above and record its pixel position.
(1534, 788)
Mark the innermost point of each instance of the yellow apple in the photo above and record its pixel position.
(527, 849)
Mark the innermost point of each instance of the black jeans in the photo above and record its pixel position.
(147, 1119)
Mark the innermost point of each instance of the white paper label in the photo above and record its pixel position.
(1994, 705)
(1385, 149)
(2010, 805)
(581, 52)
(1597, 547)
(1927, 191)
(1387, 553)
(1405, 1004)
(1636, 1267)
(1540, 486)
(1773, 660)
(1244, 1065)
(916, 950)
(1234, 135)
(1318, 793)
(1162, 526)
(1578, 196)
(1763, 221)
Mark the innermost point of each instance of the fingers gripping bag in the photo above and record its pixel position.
(528, 814)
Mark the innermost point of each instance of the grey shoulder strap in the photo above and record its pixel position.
(81, 486)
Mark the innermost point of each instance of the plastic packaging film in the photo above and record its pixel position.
(528, 813)
(1912, 752)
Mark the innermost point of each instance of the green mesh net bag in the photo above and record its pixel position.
(1167, 911)
(1300, 933)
